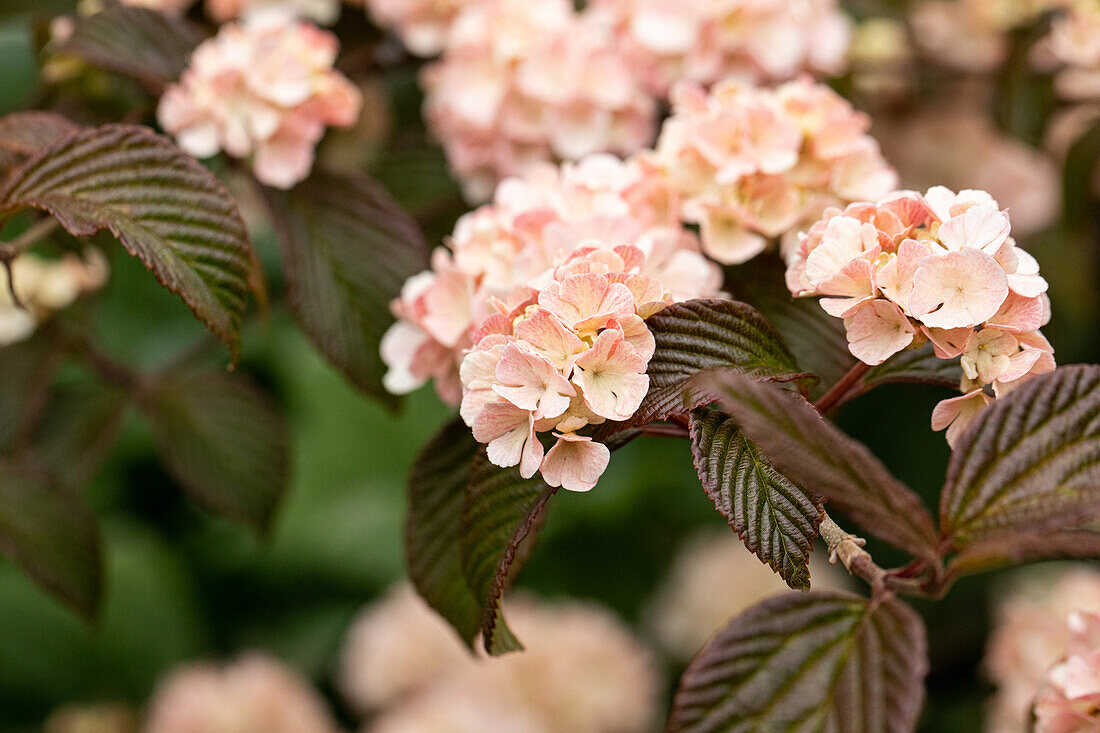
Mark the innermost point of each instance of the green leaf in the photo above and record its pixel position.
(51, 534)
(78, 431)
(775, 518)
(433, 527)
(165, 207)
(347, 250)
(817, 455)
(809, 661)
(707, 335)
(152, 47)
(920, 366)
(223, 440)
(1030, 462)
(500, 513)
(25, 133)
(28, 369)
(817, 339)
(1024, 547)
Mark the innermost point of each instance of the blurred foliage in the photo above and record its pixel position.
(181, 584)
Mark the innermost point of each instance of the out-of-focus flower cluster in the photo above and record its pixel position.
(255, 693)
(263, 88)
(713, 579)
(581, 671)
(1045, 651)
(941, 268)
(1074, 44)
(546, 288)
(522, 82)
(753, 164)
(973, 35)
(325, 12)
(422, 25)
(703, 41)
(43, 287)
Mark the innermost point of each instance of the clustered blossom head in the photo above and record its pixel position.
(712, 579)
(1042, 652)
(581, 671)
(43, 287)
(255, 693)
(548, 286)
(422, 25)
(1074, 43)
(973, 35)
(324, 12)
(525, 81)
(941, 268)
(707, 40)
(753, 164)
(264, 88)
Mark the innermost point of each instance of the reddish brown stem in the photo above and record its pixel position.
(840, 391)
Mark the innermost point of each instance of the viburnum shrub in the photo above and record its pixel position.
(603, 295)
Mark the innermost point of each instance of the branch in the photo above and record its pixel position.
(839, 392)
(35, 233)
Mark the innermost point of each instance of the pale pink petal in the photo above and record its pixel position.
(958, 412)
(611, 376)
(986, 356)
(730, 242)
(981, 227)
(947, 343)
(957, 289)
(877, 331)
(531, 382)
(550, 337)
(510, 433)
(1019, 314)
(845, 239)
(399, 346)
(583, 301)
(1026, 280)
(575, 463)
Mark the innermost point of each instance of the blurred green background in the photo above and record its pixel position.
(183, 585)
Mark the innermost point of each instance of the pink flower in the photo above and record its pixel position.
(1074, 43)
(523, 82)
(575, 462)
(611, 376)
(752, 165)
(1070, 701)
(531, 382)
(254, 693)
(264, 89)
(939, 268)
(423, 25)
(323, 12)
(707, 40)
(606, 222)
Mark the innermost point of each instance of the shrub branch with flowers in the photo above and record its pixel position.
(729, 277)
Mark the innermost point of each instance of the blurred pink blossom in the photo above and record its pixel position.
(522, 82)
(1070, 702)
(45, 286)
(1033, 635)
(255, 693)
(581, 671)
(501, 255)
(265, 89)
(941, 267)
(324, 12)
(703, 41)
(753, 164)
(1075, 44)
(422, 25)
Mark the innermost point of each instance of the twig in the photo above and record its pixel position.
(35, 233)
(839, 391)
(666, 431)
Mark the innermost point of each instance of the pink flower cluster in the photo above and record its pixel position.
(753, 164)
(940, 268)
(707, 40)
(1070, 701)
(1075, 43)
(422, 25)
(525, 81)
(549, 284)
(263, 88)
